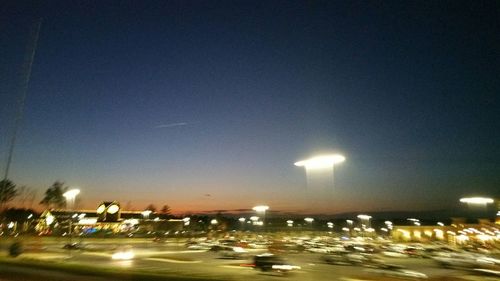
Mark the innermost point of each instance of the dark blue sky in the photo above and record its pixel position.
(165, 102)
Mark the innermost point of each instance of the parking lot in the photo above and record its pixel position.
(175, 258)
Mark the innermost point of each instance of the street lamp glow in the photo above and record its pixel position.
(71, 194)
(321, 162)
(309, 220)
(476, 200)
(49, 219)
(242, 219)
(261, 208)
(364, 217)
(146, 213)
(254, 218)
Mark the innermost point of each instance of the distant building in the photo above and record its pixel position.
(455, 234)
(108, 218)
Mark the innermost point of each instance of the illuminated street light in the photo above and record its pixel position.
(309, 221)
(49, 219)
(317, 166)
(146, 213)
(321, 162)
(261, 209)
(242, 222)
(364, 217)
(70, 196)
(214, 222)
(477, 200)
(254, 218)
(440, 224)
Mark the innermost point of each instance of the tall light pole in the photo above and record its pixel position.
(261, 209)
(242, 223)
(70, 196)
(310, 222)
(146, 214)
(365, 218)
(481, 203)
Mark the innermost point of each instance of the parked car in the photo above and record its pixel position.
(273, 263)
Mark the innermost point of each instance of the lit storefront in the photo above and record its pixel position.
(108, 218)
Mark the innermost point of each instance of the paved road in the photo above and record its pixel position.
(173, 259)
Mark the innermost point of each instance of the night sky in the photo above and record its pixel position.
(206, 105)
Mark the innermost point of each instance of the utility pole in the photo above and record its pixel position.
(26, 70)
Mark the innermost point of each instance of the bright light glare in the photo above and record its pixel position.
(146, 213)
(101, 209)
(261, 208)
(364, 217)
(285, 267)
(87, 221)
(477, 200)
(49, 219)
(242, 219)
(123, 255)
(321, 162)
(72, 193)
(309, 220)
(113, 209)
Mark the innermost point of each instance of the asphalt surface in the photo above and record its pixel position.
(173, 259)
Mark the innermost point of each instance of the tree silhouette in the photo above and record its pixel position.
(151, 208)
(7, 192)
(54, 197)
(165, 210)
